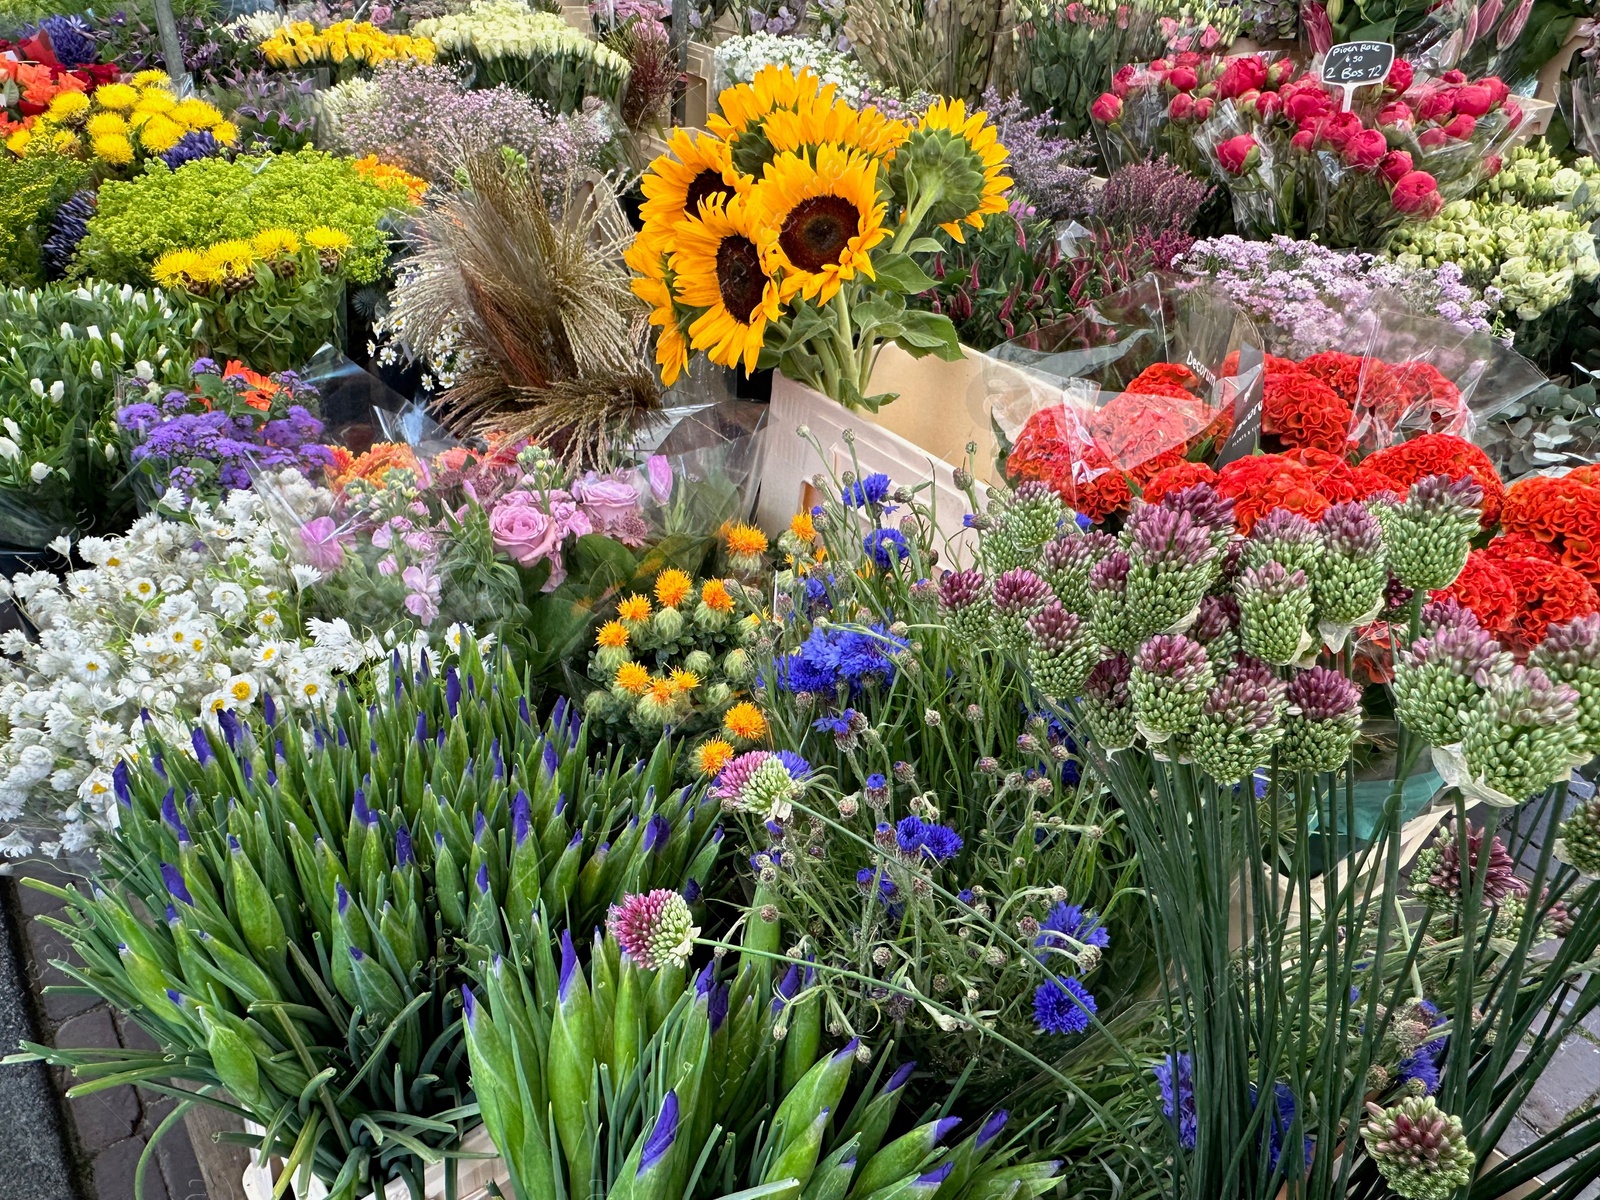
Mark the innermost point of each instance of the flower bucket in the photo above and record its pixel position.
(475, 1173)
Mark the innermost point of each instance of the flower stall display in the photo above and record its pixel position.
(766, 241)
(345, 47)
(121, 125)
(506, 41)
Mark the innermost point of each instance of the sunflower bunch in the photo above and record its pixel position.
(272, 299)
(788, 234)
(346, 46)
(122, 124)
(680, 658)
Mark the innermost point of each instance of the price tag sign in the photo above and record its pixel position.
(1351, 65)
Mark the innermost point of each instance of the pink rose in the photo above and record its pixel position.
(381, 13)
(1185, 79)
(1394, 165)
(658, 467)
(606, 499)
(1474, 99)
(1107, 110)
(528, 534)
(323, 546)
(1462, 127)
(1209, 37)
(1239, 154)
(1400, 75)
(1417, 194)
(1365, 150)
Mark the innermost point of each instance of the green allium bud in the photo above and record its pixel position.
(1274, 607)
(1108, 703)
(1522, 735)
(1429, 533)
(1170, 679)
(1421, 1151)
(1237, 728)
(1061, 651)
(1348, 579)
(1017, 595)
(1066, 563)
(964, 599)
(1023, 523)
(1284, 537)
(1108, 601)
(1570, 653)
(1323, 721)
(1579, 844)
(1440, 678)
(1172, 562)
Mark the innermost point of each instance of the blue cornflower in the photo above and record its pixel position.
(1175, 1075)
(837, 724)
(1419, 1067)
(876, 782)
(917, 838)
(817, 593)
(886, 547)
(798, 767)
(1062, 1006)
(1072, 921)
(964, 895)
(834, 657)
(886, 886)
(870, 490)
(1278, 1125)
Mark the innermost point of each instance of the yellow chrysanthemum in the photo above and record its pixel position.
(114, 148)
(182, 269)
(156, 100)
(819, 220)
(840, 124)
(685, 681)
(632, 678)
(64, 141)
(714, 595)
(745, 722)
(226, 132)
(106, 124)
(275, 243)
(151, 78)
(803, 527)
(232, 259)
(696, 168)
(68, 106)
(159, 134)
(651, 283)
(613, 635)
(964, 153)
(746, 106)
(717, 267)
(712, 756)
(118, 97)
(327, 240)
(196, 113)
(672, 587)
(745, 541)
(17, 141)
(634, 608)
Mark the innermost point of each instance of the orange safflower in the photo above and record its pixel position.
(613, 635)
(662, 690)
(672, 586)
(632, 678)
(713, 756)
(745, 721)
(803, 527)
(745, 541)
(634, 608)
(685, 681)
(714, 595)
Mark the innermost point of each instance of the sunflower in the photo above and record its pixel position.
(840, 124)
(718, 268)
(674, 187)
(819, 221)
(746, 107)
(652, 284)
(955, 160)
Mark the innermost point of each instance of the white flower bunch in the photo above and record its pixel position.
(739, 58)
(177, 620)
(1533, 177)
(510, 29)
(443, 359)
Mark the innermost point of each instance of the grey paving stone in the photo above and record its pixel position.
(103, 1119)
(1572, 1077)
(115, 1167)
(180, 1169)
(132, 1034)
(1518, 1136)
(91, 1030)
(46, 945)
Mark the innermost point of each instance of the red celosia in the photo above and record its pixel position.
(1164, 379)
(1442, 454)
(1546, 594)
(1338, 481)
(1135, 427)
(1046, 449)
(1176, 478)
(1301, 410)
(1485, 589)
(1428, 396)
(1563, 513)
(1518, 545)
(1368, 385)
(1263, 482)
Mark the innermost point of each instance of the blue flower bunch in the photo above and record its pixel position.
(1069, 935)
(838, 659)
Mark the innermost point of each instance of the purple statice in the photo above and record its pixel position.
(1072, 921)
(1175, 1076)
(887, 548)
(834, 657)
(1062, 1006)
(1046, 169)
(1306, 296)
(69, 227)
(1154, 196)
(919, 839)
(191, 147)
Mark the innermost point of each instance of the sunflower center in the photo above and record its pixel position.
(817, 231)
(703, 186)
(739, 277)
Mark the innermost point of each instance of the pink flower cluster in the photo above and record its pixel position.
(531, 524)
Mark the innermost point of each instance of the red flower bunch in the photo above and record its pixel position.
(1442, 454)
(1177, 478)
(1339, 482)
(1049, 449)
(1263, 482)
(1297, 408)
(1563, 514)
(1423, 386)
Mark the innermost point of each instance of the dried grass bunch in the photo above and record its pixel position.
(953, 48)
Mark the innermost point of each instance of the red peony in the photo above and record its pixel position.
(1400, 76)
(1397, 113)
(1461, 127)
(1546, 594)
(1107, 109)
(1365, 150)
(1176, 478)
(1395, 165)
(1246, 73)
(1484, 588)
(1263, 482)
(1238, 154)
(1417, 194)
(1473, 100)
(1442, 454)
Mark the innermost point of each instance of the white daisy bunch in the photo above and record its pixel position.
(739, 58)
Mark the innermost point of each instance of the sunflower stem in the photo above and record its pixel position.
(844, 340)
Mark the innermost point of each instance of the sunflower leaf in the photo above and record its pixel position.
(924, 333)
(901, 272)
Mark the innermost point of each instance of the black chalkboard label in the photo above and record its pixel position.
(1354, 64)
(1246, 432)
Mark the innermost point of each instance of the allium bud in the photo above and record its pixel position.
(1522, 735)
(1570, 653)
(1216, 627)
(1429, 533)
(1018, 594)
(1236, 730)
(1061, 651)
(964, 597)
(1274, 607)
(1205, 508)
(1108, 703)
(1579, 843)
(1445, 612)
(1172, 561)
(1421, 1151)
(1323, 721)
(1033, 516)
(1067, 561)
(1440, 678)
(1108, 601)
(654, 929)
(1437, 879)
(1348, 579)
(1284, 537)
(1169, 681)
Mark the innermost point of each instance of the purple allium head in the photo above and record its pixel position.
(1499, 877)
(962, 589)
(1218, 615)
(1175, 1076)
(1078, 551)
(1053, 627)
(1261, 674)
(1323, 695)
(1019, 592)
(653, 929)
(1204, 506)
(1446, 611)
(1349, 530)
(1271, 580)
(1462, 650)
(1165, 537)
(1242, 702)
(1570, 646)
(1108, 681)
(1062, 1006)
(1171, 656)
(1439, 494)
(1110, 574)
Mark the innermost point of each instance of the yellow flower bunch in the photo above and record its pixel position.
(234, 260)
(122, 122)
(386, 175)
(359, 43)
(781, 206)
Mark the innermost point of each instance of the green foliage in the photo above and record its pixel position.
(212, 199)
(285, 312)
(31, 189)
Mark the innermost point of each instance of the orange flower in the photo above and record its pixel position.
(745, 722)
(259, 389)
(634, 608)
(745, 541)
(377, 462)
(713, 756)
(613, 635)
(685, 681)
(803, 527)
(672, 587)
(342, 459)
(632, 678)
(662, 690)
(714, 595)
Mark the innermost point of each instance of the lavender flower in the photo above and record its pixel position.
(1045, 169)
